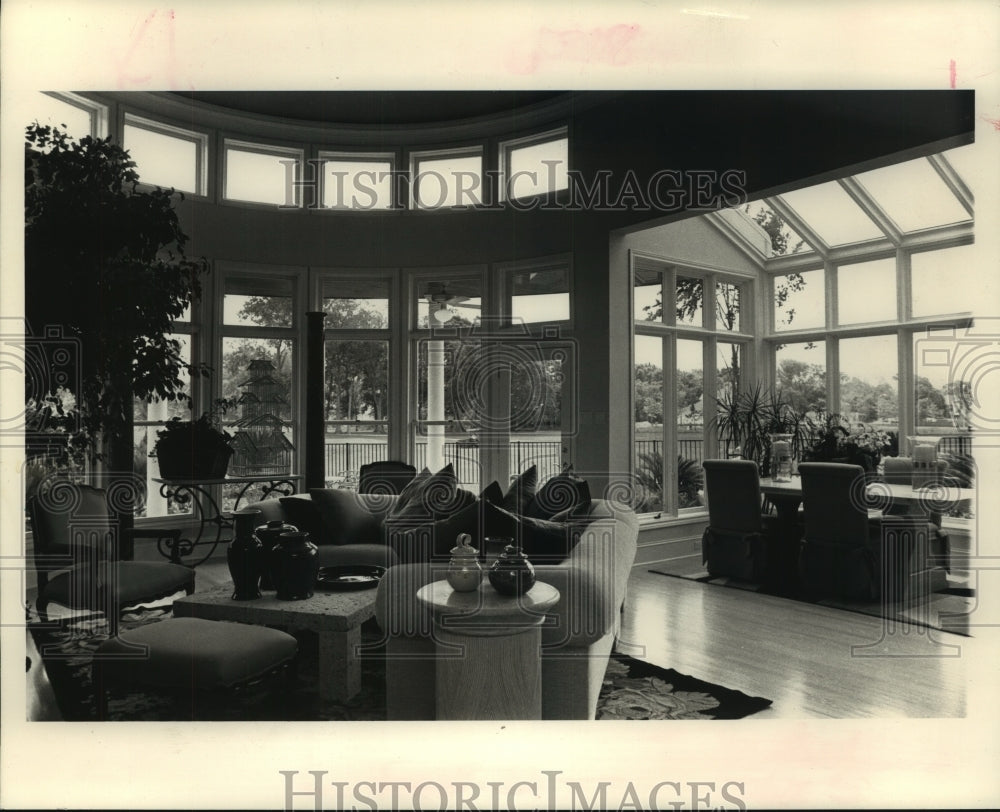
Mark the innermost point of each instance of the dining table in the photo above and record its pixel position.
(786, 495)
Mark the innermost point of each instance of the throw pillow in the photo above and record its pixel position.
(521, 490)
(344, 517)
(301, 512)
(412, 487)
(437, 496)
(432, 541)
(547, 542)
(562, 492)
(543, 542)
(492, 493)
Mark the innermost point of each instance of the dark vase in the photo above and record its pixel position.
(296, 565)
(268, 535)
(245, 556)
(512, 573)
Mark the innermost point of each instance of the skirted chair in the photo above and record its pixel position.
(899, 471)
(386, 476)
(741, 541)
(77, 556)
(850, 551)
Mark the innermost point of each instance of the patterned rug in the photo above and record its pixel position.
(948, 608)
(632, 689)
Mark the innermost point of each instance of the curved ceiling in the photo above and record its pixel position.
(360, 107)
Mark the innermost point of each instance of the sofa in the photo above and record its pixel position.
(583, 546)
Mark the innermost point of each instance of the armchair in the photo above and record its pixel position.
(77, 556)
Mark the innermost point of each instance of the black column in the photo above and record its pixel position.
(315, 433)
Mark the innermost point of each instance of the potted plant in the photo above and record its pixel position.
(747, 419)
(105, 268)
(196, 449)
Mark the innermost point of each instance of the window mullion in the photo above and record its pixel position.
(710, 388)
(669, 395)
(833, 374)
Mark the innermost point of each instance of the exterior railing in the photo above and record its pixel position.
(345, 456)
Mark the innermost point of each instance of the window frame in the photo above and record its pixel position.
(709, 335)
(508, 146)
(191, 330)
(905, 326)
(287, 152)
(332, 155)
(392, 334)
(415, 157)
(295, 333)
(100, 118)
(505, 272)
(199, 138)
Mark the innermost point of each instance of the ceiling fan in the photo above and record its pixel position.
(441, 302)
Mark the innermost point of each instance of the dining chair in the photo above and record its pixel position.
(385, 476)
(850, 551)
(899, 471)
(740, 541)
(77, 554)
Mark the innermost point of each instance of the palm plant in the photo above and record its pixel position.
(750, 416)
(649, 475)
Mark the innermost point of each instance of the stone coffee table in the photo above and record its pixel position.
(335, 616)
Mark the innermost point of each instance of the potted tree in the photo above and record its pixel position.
(105, 268)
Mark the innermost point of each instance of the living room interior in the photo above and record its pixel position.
(666, 252)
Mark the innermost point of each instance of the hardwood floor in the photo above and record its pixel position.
(812, 661)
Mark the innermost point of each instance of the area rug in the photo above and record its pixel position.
(632, 689)
(947, 609)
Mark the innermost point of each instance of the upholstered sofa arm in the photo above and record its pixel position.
(593, 580)
(397, 611)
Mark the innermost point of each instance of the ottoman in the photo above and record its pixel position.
(189, 655)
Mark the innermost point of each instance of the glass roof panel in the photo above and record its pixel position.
(967, 162)
(831, 212)
(784, 238)
(913, 195)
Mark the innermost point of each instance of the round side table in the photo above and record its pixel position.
(488, 650)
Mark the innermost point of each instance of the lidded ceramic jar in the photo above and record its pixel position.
(512, 573)
(295, 566)
(464, 570)
(268, 535)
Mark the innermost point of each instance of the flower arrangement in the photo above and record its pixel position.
(869, 440)
(835, 440)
